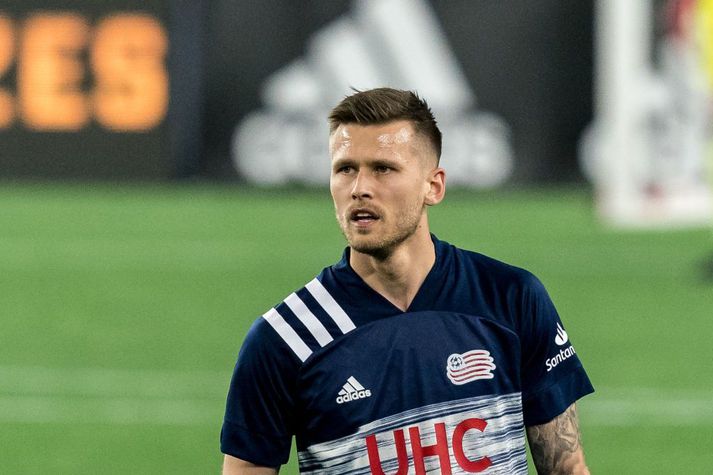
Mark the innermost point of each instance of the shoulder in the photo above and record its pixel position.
(495, 288)
(499, 272)
(305, 321)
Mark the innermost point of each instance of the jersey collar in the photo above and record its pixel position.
(362, 295)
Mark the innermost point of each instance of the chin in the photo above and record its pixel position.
(376, 242)
(363, 243)
(379, 247)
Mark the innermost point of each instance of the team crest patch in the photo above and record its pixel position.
(470, 366)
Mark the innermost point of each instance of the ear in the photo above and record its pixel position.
(437, 186)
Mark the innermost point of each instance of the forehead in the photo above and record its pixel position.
(355, 138)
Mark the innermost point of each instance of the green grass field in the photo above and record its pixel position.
(123, 308)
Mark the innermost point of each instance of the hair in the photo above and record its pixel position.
(384, 104)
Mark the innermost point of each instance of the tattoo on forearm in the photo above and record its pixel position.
(552, 444)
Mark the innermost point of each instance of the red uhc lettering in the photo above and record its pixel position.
(375, 461)
(440, 449)
(473, 466)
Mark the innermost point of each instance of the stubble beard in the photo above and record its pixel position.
(381, 247)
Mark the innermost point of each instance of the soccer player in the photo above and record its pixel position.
(409, 355)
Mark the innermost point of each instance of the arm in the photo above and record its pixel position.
(556, 446)
(236, 466)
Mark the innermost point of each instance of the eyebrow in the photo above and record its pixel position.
(381, 162)
(372, 162)
(341, 162)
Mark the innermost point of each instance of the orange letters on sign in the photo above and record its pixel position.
(7, 46)
(50, 74)
(131, 80)
(127, 91)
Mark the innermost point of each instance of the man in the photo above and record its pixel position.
(409, 355)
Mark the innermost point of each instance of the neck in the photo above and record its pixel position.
(398, 276)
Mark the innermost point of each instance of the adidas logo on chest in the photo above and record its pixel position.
(351, 391)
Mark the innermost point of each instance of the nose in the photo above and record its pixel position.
(362, 187)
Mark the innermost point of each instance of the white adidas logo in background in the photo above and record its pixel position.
(397, 43)
(351, 391)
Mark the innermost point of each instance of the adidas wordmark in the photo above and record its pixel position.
(351, 391)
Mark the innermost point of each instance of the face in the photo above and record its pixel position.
(382, 179)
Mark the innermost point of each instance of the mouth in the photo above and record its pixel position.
(363, 216)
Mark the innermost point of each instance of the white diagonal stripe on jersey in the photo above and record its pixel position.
(288, 334)
(352, 380)
(349, 388)
(314, 326)
(322, 296)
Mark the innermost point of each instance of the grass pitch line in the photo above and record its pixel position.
(175, 384)
(648, 407)
(111, 411)
(33, 394)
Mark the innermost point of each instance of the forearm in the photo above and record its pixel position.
(556, 446)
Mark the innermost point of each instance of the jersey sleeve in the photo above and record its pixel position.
(258, 424)
(552, 375)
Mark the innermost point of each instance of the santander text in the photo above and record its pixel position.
(559, 357)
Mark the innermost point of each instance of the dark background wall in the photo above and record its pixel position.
(529, 62)
(90, 148)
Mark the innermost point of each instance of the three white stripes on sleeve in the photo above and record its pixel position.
(315, 327)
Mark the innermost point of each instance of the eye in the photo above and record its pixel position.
(345, 169)
(382, 169)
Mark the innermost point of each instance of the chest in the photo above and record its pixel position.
(401, 364)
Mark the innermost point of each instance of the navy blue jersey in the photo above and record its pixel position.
(444, 387)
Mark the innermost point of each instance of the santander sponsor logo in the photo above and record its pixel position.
(561, 339)
(559, 357)
(562, 336)
(444, 446)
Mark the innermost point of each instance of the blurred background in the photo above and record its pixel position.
(163, 172)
